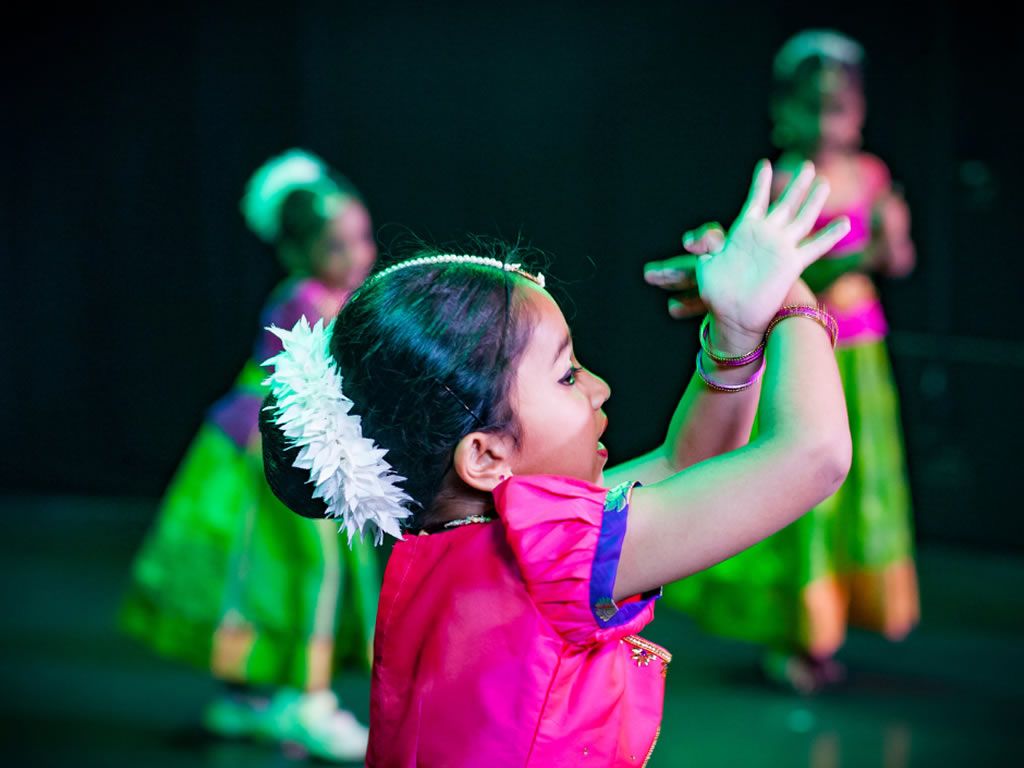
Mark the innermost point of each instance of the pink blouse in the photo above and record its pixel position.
(499, 644)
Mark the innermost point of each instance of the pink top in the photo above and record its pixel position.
(874, 181)
(293, 299)
(859, 236)
(866, 321)
(498, 644)
(237, 413)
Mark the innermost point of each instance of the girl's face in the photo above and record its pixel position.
(825, 112)
(346, 251)
(842, 113)
(557, 402)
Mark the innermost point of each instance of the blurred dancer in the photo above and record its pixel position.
(849, 561)
(230, 580)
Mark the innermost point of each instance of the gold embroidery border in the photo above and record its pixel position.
(638, 642)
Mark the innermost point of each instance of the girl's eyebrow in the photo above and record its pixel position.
(562, 347)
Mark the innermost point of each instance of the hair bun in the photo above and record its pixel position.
(271, 184)
(824, 44)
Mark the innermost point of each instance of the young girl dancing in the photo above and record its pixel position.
(445, 406)
(228, 579)
(850, 560)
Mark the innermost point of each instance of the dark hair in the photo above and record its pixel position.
(427, 354)
(304, 213)
(807, 73)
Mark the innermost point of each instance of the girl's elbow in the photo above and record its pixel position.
(832, 458)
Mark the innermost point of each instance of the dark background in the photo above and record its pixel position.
(598, 131)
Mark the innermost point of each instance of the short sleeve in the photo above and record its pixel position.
(566, 535)
(877, 177)
(306, 298)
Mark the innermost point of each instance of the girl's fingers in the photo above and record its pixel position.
(824, 241)
(681, 307)
(760, 192)
(807, 217)
(793, 195)
(673, 274)
(708, 238)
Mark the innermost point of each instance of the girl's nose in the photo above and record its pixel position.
(598, 390)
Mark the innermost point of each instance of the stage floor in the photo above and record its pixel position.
(76, 693)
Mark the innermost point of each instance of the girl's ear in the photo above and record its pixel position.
(482, 460)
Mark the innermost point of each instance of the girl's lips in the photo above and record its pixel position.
(602, 451)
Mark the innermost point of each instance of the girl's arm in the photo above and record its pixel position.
(715, 508)
(712, 510)
(893, 252)
(705, 423)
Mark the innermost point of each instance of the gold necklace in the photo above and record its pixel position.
(468, 521)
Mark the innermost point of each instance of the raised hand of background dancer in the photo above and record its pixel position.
(744, 282)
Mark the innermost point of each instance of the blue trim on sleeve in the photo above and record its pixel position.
(606, 563)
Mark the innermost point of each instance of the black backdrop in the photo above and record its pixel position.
(598, 131)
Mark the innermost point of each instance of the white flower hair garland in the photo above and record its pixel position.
(348, 470)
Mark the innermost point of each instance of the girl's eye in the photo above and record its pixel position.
(570, 378)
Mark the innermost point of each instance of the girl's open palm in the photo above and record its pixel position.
(743, 276)
(766, 250)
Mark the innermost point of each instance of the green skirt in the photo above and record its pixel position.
(848, 561)
(230, 580)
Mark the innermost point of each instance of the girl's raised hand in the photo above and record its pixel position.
(766, 249)
(679, 274)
